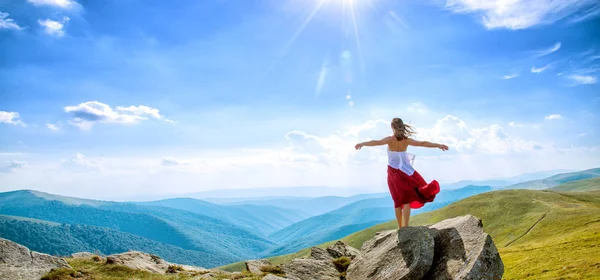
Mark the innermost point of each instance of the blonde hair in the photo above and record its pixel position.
(401, 130)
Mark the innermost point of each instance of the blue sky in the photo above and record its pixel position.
(110, 99)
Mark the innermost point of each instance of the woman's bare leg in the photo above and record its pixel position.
(406, 214)
(398, 212)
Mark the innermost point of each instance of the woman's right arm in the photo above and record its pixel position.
(426, 144)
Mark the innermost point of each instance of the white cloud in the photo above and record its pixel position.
(12, 165)
(492, 139)
(53, 127)
(590, 13)
(8, 23)
(80, 163)
(514, 124)
(10, 118)
(548, 50)
(417, 108)
(65, 4)
(583, 79)
(511, 76)
(553, 117)
(539, 70)
(582, 134)
(140, 111)
(54, 28)
(85, 115)
(518, 14)
(171, 161)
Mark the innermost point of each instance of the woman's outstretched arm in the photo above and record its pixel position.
(373, 143)
(426, 144)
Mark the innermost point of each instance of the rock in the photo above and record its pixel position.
(464, 251)
(17, 262)
(274, 277)
(139, 260)
(82, 255)
(303, 269)
(397, 254)
(317, 253)
(341, 249)
(255, 265)
(193, 269)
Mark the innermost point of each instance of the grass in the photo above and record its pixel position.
(564, 244)
(579, 186)
(341, 264)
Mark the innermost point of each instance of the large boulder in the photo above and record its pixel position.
(317, 253)
(341, 249)
(397, 254)
(140, 261)
(464, 251)
(304, 269)
(17, 262)
(254, 266)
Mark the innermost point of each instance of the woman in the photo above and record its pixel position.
(407, 187)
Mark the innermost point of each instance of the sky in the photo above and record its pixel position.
(116, 99)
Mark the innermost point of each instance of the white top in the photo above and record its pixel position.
(402, 161)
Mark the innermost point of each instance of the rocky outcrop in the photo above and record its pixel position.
(83, 255)
(274, 277)
(301, 269)
(341, 249)
(151, 263)
(254, 266)
(337, 250)
(317, 253)
(140, 261)
(464, 251)
(17, 262)
(403, 254)
(456, 248)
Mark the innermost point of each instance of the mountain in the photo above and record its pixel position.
(264, 219)
(540, 234)
(331, 225)
(502, 182)
(557, 180)
(584, 185)
(311, 206)
(354, 217)
(65, 239)
(301, 191)
(184, 229)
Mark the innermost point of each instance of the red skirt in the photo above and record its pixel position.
(411, 190)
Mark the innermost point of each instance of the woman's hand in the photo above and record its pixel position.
(443, 147)
(358, 146)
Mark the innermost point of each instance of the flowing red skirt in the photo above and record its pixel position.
(411, 190)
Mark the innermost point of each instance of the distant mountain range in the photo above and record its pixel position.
(193, 233)
(202, 233)
(502, 182)
(556, 180)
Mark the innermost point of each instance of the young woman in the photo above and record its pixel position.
(407, 187)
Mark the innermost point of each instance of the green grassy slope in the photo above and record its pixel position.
(557, 180)
(65, 239)
(579, 186)
(540, 234)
